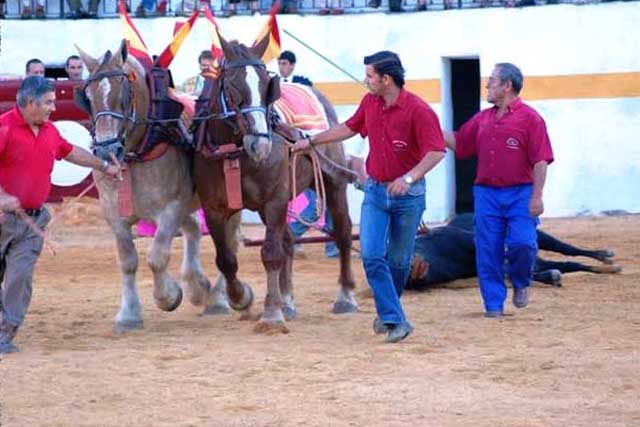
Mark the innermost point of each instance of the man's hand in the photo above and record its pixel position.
(398, 187)
(112, 171)
(536, 207)
(9, 203)
(301, 144)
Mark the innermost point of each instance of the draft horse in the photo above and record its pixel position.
(118, 98)
(236, 127)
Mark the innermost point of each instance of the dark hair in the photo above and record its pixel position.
(33, 88)
(69, 59)
(32, 61)
(205, 54)
(287, 55)
(510, 73)
(387, 62)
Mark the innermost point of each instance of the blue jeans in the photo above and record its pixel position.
(502, 218)
(309, 215)
(388, 226)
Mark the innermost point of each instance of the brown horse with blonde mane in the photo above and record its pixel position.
(236, 122)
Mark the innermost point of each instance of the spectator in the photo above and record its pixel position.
(31, 6)
(3, 9)
(34, 67)
(395, 191)
(160, 7)
(29, 144)
(513, 149)
(289, 6)
(254, 7)
(74, 68)
(208, 70)
(78, 11)
(286, 65)
(332, 7)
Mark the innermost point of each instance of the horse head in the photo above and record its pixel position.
(243, 95)
(116, 97)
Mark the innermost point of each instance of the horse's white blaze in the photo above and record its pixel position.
(105, 86)
(260, 119)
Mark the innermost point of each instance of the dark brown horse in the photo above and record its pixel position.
(240, 116)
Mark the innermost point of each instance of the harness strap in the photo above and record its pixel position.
(232, 175)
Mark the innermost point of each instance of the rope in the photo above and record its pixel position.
(318, 184)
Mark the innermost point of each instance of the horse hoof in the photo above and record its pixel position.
(289, 312)
(127, 326)
(609, 253)
(344, 307)
(271, 328)
(216, 310)
(162, 305)
(246, 302)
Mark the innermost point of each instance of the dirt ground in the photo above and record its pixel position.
(570, 359)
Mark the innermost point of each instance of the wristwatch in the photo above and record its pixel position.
(408, 179)
(104, 166)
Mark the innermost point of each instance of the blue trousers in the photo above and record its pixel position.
(502, 220)
(388, 226)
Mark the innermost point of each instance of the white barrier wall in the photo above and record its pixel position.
(594, 132)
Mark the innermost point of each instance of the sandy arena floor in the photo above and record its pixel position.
(570, 359)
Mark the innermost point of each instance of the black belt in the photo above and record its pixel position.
(33, 212)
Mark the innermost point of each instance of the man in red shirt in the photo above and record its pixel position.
(29, 143)
(513, 149)
(405, 143)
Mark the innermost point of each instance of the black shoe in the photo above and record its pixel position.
(493, 314)
(399, 332)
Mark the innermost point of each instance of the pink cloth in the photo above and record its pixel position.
(148, 228)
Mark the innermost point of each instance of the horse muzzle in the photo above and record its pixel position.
(105, 149)
(257, 146)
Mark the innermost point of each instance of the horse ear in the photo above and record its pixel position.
(273, 90)
(260, 47)
(122, 53)
(89, 61)
(226, 48)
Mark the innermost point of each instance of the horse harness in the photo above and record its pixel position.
(232, 151)
(162, 125)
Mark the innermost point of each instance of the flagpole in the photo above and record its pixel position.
(355, 79)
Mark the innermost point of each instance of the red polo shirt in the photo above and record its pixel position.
(26, 160)
(399, 135)
(508, 147)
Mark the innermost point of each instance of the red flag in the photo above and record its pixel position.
(271, 28)
(216, 46)
(136, 45)
(170, 51)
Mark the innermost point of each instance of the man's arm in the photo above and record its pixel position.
(428, 162)
(449, 139)
(338, 133)
(536, 207)
(82, 157)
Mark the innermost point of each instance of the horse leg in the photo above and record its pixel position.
(197, 286)
(339, 210)
(286, 284)
(273, 258)
(549, 243)
(166, 291)
(571, 267)
(224, 235)
(129, 316)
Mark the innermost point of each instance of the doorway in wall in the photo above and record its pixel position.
(465, 102)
